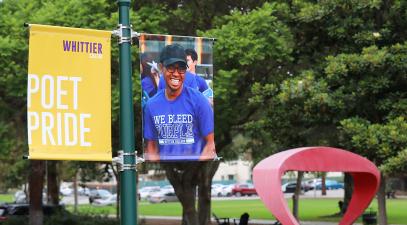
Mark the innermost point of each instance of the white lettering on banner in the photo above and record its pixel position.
(61, 92)
(30, 125)
(83, 129)
(47, 128)
(56, 128)
(174, 129)
(59, 127)
(70, 118)
(73, 134)
(50, 87)
(75, 81)
(32, 78)
(48, 91)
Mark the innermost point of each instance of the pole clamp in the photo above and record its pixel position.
(119, 32)
(119, 160)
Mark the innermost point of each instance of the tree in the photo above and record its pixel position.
(249, 47)
(192, 16)
(372, 96)
(336, 73)
(13, 61)
(288, 74)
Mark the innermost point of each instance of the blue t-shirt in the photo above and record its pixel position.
(147, 84)
(189, 81)
(202, 85)
(179, 126)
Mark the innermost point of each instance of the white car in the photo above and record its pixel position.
(83, 191)
(111, 200)
(163, 197)
(146, 192)
(167, 188)
(21, 198)
(217, 190)
(66, 191)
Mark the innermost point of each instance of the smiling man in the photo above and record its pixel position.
(178, 120)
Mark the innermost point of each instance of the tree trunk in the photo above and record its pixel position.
(187, 198)
(52, 183)
(323, 186)
(296, 194)
(348, 180)
(185, 177)
(36, 184)
(381, 201)
(75, 192)
(207, 172)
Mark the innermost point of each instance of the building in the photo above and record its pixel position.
(238, 171)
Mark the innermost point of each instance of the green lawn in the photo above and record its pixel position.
(6, 198)
(310, 209)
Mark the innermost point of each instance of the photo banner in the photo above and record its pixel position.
(176, 75)
(68, 94)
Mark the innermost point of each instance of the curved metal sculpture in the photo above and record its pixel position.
(267, 178)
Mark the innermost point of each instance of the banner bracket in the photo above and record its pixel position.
(119, 32)
(119, 160)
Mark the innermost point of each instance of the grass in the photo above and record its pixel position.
(6, 198)
(310, 209)
(94, 210)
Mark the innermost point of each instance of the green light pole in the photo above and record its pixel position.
(128, 211)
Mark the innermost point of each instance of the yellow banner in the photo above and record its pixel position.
(68, 94)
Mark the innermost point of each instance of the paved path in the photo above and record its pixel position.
(251, 222)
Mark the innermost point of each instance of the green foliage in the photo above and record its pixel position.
(347, 66)
(287, 74)
(248, 47)
(99, 14)
(383, 143)
(396, 165)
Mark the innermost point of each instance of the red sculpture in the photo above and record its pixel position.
(267, 178)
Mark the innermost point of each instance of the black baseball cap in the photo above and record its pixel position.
(172, 54)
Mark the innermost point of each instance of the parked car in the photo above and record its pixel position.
(244, 189)
(146, 192)
(98, 194)
(330, 185)
(111, 200)
(83, 191)
(217, 190)
(291, 186)
(9, 210)
(227, 190)
(313, 182)
(3, 216)
(66, 191)
(167, 188)
(21, 198)
(163, 197)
